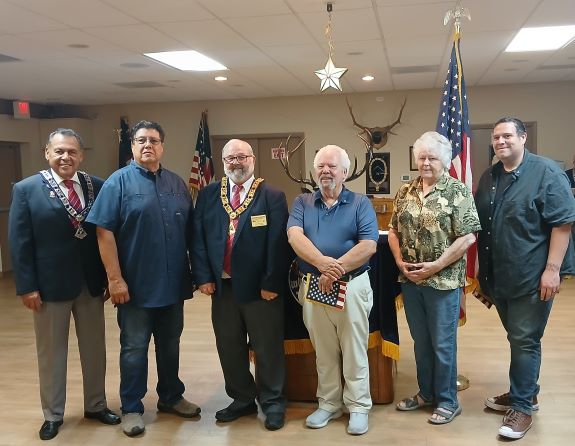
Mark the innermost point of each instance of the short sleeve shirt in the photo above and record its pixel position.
(335, 230)
(149, 215)
(428, 225)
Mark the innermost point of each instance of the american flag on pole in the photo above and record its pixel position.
(453, 120)
(202, 172)
(453, 123)
(335, 298)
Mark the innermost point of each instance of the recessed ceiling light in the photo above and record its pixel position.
(220, 78)
(355, 53)
(79, 45)
(187, 60)
(541, 39)
(368, 78)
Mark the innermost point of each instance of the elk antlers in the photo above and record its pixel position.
(304, 181)
(285, 164)
(375, 137)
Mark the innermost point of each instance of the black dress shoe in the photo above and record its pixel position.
(49, 429)
(105, 416)
(235, 411)
(274, 421)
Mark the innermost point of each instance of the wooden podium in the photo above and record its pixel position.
(301, 377)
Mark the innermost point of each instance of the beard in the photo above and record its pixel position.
(327, 185)
(238, 175)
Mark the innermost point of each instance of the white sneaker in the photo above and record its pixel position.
(133, 424)
(358, 423)
(321, 417)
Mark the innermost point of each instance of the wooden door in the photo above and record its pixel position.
(267, 167)
(11, 173)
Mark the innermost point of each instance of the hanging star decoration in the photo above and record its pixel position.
(330, 74)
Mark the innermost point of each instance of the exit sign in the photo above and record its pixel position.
(21, 109)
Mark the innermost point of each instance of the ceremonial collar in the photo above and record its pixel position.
(235, 213)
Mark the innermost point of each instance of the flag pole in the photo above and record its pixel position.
(457, 14)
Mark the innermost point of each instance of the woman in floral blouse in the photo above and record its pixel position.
(432, 226)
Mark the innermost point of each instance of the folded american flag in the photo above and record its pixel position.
(335, 298)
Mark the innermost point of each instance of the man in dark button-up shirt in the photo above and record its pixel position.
(142, 213)
(526, 211)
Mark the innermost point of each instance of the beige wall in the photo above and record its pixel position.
(323, 119)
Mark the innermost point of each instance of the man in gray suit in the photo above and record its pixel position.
(58, 273)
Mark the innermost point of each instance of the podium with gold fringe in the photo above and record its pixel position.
(301, 375)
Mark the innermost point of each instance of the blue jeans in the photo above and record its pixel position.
(432, 316)
(137, 325)
(524, 319)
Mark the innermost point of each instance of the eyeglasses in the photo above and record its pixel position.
(152, 141)
(239, 159)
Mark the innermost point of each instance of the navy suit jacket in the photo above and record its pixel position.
(46, 257)
(259, 253)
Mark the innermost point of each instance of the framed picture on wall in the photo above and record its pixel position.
(377, 178)
(412, 163)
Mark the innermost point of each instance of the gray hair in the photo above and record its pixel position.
(66, 132)
(436, 143)
(343, 156)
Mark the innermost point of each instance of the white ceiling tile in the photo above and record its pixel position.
(553, 13)
(346, 25)
(204, 35)
(255, 8)
(137, 38)
(274, 30)
(17, 20)
(153, 11)
(79, 13)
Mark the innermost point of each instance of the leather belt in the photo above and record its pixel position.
(346, 277)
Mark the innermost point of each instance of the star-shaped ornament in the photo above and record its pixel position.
(330, 75)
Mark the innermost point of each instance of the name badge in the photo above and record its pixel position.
(259, 220)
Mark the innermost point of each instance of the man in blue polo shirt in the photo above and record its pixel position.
(334, 233)
(144, 214)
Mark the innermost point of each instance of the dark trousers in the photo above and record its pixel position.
(262, 322)
(137, 325)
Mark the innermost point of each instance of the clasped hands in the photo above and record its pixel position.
(331, 270)
(418, 272)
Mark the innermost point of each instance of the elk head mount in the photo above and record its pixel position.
(374, 137)
(309, 185)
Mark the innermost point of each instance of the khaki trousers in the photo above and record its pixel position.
(340, 341)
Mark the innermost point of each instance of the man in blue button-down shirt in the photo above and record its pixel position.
(142, 213)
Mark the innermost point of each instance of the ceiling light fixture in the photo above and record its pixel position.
(368, 78)
(541, 39)
(220, 78)
(187, 60)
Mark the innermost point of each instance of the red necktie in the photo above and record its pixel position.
(74, 199)
(230, 241)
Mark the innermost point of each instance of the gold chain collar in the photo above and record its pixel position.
(225, 202)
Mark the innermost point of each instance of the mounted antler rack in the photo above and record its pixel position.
(375, 137)
(285, 162)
